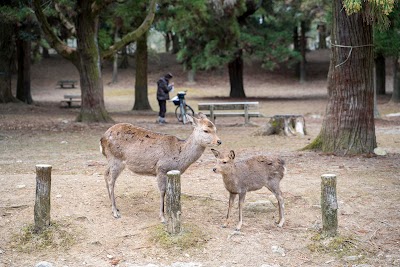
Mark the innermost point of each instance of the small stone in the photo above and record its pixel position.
(278, 250)
(380, 151)
(351, 258)
(44, 264)
(20, 186)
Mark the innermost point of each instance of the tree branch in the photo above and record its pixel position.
(67, 24)
(55, 42)
(133, 36)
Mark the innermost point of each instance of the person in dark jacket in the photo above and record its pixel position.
(163, 88)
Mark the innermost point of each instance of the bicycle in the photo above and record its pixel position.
(181, 107)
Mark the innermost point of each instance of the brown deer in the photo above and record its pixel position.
(247, 175)
(148, 153)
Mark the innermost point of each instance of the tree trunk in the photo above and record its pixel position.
(380, 74)
(303, 44)
(348, 126)
(115, 59)
(396, 81)
(24, 71)
(236, 76)
(6, 62)
(322, 36)
(141, 92)
(175, 44)
(124, 64)
(296, 47)
(92, 108)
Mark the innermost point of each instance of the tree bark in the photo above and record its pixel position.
(348, 126)
(141, 88)
(6, 61)
(24, 71)
(115, 59)
(296, 47)
(91, 83)
(42, 201)
(396, 81)
(236, 76)
(124, 64)
(303, 44)
(329, 205)
(322, 36)
(380, 74)
(173, 202)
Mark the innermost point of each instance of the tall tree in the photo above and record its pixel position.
(17, 30)
(221, 33)
(387, 44)
(7, 45)
(348, 127)
(87, 56)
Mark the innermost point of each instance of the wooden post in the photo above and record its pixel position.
(329, 205)
(173, 201)
(42, 202)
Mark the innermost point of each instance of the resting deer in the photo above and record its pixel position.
(247, 175)
(149, 153)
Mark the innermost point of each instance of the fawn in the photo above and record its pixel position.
(250, 174)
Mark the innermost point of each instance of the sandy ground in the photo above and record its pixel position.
(86, 234)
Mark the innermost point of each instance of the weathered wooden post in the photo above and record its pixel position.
(329, 205)
(173, 201)
(42, 201)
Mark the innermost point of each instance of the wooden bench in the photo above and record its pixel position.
(230, 109)
(71, 99)
(67, 83)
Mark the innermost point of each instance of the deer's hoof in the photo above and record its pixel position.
(116, 214)
(280, 224)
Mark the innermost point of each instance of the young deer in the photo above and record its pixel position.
(149, 153)
(250, 174)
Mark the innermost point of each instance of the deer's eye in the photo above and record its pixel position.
(206, 131)
(224, 162)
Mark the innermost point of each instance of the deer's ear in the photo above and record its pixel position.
(215, 152)
(232, 154)
(191, 119)
(201, 115)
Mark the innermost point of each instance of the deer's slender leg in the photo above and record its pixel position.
(162, 186)
(114, 169)
(231, 201)
(274, 188)
(242, 196)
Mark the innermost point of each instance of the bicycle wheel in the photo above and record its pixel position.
(178, 113)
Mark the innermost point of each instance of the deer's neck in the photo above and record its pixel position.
(191, 151)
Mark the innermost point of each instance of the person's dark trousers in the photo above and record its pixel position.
(163, 108)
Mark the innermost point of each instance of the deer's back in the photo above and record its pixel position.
(258, 171)
(140, 148)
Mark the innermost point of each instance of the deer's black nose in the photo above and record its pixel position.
(215, 170)
(219, 142)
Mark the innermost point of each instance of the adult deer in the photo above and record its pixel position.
(251, 174)
(148, 153)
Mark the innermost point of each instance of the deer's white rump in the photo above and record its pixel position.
(148, 153)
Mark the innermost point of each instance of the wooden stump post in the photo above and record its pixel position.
(42, 201)
(329, 205)
(173, 201)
